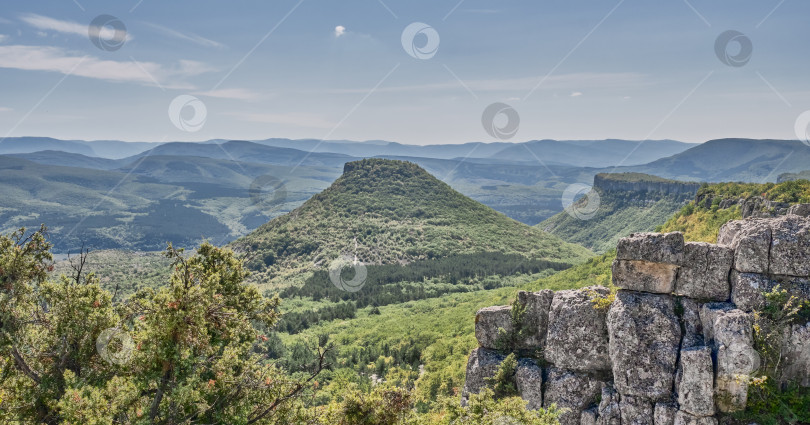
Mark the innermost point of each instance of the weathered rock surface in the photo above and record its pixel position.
(708, 314)
(802, 210)
(610, 412)
(664, 413)
(696, 387)
(588, 417)
(692, 326)
(570, 390)
(645, 339)
(748, 289)
(529, 380)
(652, 247)
(751, 241)
(790, 247)
(636, 410)
(487, 322)
(644, 276)
(683, 418)
(535, 319)
(797, 355)
(704, 272)
(577, 332)
(736, 359)
(482, 364)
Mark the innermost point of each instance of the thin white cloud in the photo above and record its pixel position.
(576, 94)
(236, 94)
(186, 36)
(291, 118)
(53, 59)
(5, 109)
(557, 82)
(46, 23)
(3, 38)
(340, 30)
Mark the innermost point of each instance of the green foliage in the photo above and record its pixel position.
(503, 382)
(398, 214)
(508, 340)
(382, 406)
(182, 353)
(486, 409)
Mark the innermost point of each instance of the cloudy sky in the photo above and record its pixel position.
(419, 72)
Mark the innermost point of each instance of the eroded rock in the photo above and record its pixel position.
(645, 339)
(797, 355)
(683, 418)
(644, 276)
(535, 319)
(664, 413)
(482, 364)
(736, 359)
(577, 331)
(802, 210)
(636, 410)
(696, 387)
(748, 289)
(790, 246)
(708, 314)
(610, 412)
(751, 241)
(571, 390)
(692, 326)
(529, 380)
(652, 247)
(704, 272)
(487, 322)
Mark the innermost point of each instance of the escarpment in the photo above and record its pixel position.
(674, 344)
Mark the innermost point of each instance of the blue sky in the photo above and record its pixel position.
(630, 69)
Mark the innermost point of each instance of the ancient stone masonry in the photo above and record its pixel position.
(675, 345)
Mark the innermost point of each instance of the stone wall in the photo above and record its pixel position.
(675, 346)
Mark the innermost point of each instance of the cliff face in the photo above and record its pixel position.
(651, 184)
(675, 345)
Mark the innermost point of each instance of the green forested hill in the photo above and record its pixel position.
(625, 205)
(394, 212)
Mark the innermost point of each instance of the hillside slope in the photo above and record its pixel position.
(627, 203)
(393, 212)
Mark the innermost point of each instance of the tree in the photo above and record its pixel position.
(182, 353)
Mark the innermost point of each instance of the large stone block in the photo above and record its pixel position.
(736, 359)
(652, 247)
(636, 410)
(692, 326)
(751, 241)
(644, 276)
(571, 390)
(664, 413)
(797, 355)
(696, 387)
(529, 380)
(535, 319)
(802, 210)
(487, 322)
(704, 272)
(610, 412)
(683, 418)
(790, 246)
(708, 314)
(588, 417)
(748, 289)
(577, 331)
(482, 364)
(645, 339)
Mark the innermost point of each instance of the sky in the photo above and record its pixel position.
(416, 72)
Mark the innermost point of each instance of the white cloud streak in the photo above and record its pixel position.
(190, 37)
(66, 27)
(235, 94)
